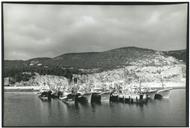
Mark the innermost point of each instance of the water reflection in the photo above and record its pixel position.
(56, 113)
(94, 106)
(78, 110)
(44, 111)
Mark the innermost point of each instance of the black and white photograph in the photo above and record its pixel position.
(95, 64)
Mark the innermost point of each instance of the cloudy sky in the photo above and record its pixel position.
(51, 30)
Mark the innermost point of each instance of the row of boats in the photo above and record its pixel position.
(132, 95)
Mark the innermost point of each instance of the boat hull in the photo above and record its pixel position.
(44, 98)
(121, 98)
(96, 97)
(163, 93)
(68, 98)
(151, 94)
(114, 97)
(68, 101)
(127, 98)
(105, 97)
(87, 97)
(135, 98)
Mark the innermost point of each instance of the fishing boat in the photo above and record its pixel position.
(96, 94)
(120, 97)
(163, 93)
(127, 98)
(151, 93)
(114, 96)
(105, 96)
(137, 94)
(68, 98)
(54, 94)
(44, 98)
(134, 98)
(85, 97)
(44, 94)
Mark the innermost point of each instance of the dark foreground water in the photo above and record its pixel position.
(26, 109)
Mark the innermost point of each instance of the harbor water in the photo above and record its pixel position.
(26, 109)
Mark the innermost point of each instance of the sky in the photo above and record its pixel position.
(32, 31)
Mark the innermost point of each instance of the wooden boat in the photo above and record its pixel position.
(151, 93)
(54, 94)
(96, 94)
(105, 96)
(163, 93)
(45, 95)
(68, 98)
(134, 98)
(68, 101)
(121, 97)
(114, 97)
(96, 97)
(127, 98)
(143, 98)
(44, 98)
(84, 96)
(87, 97)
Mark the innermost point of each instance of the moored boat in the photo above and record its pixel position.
(87, 97)
(127, 98)
(121, 97)
(151, 93)
(44, 98)
(45, 94)
(68, 98)
(134, 98)
(114, 97)
(105, 96)
(96, 94)
(163, 93)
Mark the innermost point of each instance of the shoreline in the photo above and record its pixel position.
(21, 89)
(153, 85)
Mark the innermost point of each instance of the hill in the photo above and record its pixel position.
(178, 54)
(94, 61)
(108, 59)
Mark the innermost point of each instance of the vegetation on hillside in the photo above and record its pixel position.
(84, 63)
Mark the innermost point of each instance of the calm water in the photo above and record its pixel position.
(26, 109)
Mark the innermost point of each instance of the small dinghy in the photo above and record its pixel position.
(45, 96)
(45, 93)
(68, 98)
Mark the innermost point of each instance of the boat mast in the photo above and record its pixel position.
(162, 82)
(161, 79)
(140, 85)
